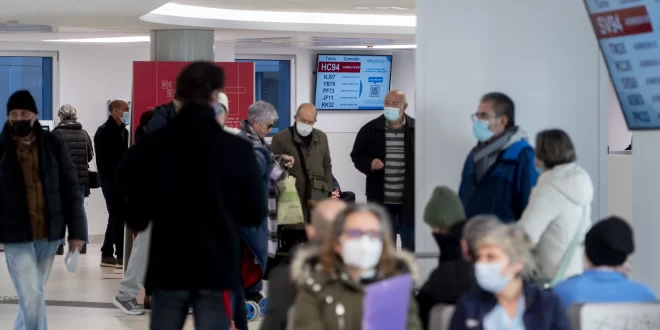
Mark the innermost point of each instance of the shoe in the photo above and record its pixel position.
(83, 250)
(130, 307)
(108, 262)
(60, 250)
(119, 264)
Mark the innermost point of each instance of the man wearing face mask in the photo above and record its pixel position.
(499, 172)
(40, 197)
(384, 151)
(111, 143)
(312, 166)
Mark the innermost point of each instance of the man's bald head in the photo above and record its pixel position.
(118, 104)
(306, 114)
(323, 216)
(396, 98)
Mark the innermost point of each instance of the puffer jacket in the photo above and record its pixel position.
(80, 147)
(320, 293)
(561, 199)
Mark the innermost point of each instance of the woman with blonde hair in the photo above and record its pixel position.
(504, 299)
(331, 279)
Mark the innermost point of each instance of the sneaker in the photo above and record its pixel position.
(120, 264)
(108, 262)
(60, 250)
(130, 307)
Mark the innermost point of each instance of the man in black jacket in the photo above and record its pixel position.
(80, 148)
(197, 185)
(384, 151)
(40, 197)
(111, 143)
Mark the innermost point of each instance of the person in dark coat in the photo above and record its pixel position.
(40, 198)
(282, 289)
(384, 151)
(82, 152)
(111, 143)
(145, 118)
(503, 298)
(183, 183)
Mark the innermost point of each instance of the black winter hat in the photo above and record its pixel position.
(21, 100)
(609, 242)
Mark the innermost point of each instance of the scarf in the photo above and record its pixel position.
(251, 133)
(485, 155)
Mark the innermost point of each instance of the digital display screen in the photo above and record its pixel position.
(628, 34)
(352, 82)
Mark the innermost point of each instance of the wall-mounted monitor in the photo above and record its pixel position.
(629, 36)
(352, 82)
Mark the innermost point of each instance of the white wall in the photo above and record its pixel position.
(89, 75)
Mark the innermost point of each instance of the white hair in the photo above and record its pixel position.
(262, 112)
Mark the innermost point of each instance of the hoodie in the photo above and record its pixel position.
(559, 205)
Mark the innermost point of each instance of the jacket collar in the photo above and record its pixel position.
(69, 124)
(8, 141)
(112, 123)
(530, 291)
(197, 111)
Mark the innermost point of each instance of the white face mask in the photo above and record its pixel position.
(71, 260)
(362, 253)
(304, 129)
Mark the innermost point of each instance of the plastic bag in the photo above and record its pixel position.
(289, 209)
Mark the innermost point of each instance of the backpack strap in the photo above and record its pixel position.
(570, 252)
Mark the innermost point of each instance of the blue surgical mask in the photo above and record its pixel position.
(481, 131)
(391, 114)
(540, 170)
(489, 277)
(126, 118)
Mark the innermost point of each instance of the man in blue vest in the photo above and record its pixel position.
(499, 172)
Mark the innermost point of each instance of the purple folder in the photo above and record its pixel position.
(386, 304)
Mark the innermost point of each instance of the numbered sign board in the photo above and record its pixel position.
(352, 82)
(629, 36)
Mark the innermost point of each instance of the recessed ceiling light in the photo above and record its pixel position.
(105, 40)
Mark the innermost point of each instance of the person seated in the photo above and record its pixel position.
(331, 280)
(337, 193)
(281, 288)
(503, 299)
(455, 273)
(607, 247)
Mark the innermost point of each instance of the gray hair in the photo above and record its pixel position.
(67, 112)
(515, 242)
(477, 227)
(262, 112)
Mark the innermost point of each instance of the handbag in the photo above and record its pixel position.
(546, 282)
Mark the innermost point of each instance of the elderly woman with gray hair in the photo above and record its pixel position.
(504, 299)
(80, 147)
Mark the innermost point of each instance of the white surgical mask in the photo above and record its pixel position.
(362, 253)
(71, 260)
(391, 114)
(304, 129)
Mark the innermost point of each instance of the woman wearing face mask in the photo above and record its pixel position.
(559, 210)
(504, 300)
(331, 279)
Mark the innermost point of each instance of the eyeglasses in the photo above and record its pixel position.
(356, 233)
(479, 116)
(270, 126)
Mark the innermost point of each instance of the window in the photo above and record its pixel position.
(34, 73)
(273, 85)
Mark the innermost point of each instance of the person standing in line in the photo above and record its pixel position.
(312, 167)
(145, 118)
(384, 151)
(111, 143)
(499, 172)
(82, 152)
(202, 205)
(40, 197)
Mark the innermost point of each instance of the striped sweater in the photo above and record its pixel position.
(395, 163)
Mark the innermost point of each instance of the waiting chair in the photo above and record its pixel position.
(615, 316)
(440, 316)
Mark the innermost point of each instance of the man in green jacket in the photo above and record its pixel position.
(309, 147)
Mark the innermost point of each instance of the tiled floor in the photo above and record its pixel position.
(85, 286)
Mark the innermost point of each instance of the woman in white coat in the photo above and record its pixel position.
(558, 214)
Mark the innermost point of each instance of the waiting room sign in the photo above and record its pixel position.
(154, 84)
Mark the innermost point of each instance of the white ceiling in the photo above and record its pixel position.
(112, 18)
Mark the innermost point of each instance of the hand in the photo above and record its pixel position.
(377, 164)
(76, 244)
(288, 161)
(335, 194)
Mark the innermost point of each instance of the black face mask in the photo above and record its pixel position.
(21, 128)
(450, 247)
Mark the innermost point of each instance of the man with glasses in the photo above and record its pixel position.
(312, 167)
(384, 150)
(499, 172)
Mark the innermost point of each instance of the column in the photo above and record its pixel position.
(544, 55)
(182, 45)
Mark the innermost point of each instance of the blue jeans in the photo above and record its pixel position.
(82, 193)
(404, 227)
(169, 309)
(113, 243)
(29, 266)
